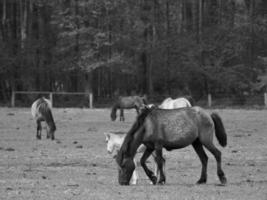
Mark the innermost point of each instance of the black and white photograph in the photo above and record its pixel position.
(133, 99)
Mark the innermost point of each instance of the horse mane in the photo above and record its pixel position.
(190, 99)
(130, 134)
(144, 98)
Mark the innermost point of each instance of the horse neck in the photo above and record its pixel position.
(134, 141)
(134, 137)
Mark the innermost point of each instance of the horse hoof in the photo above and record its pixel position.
(201, 181)
(161, 182)
(154, 180)
(223, 180)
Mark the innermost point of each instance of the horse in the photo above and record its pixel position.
(114, 141)
(180, 102)
(171, 129)
(41, 110)
(127, 102)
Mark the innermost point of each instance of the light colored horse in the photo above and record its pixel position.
(42, 111)
(114, 141)
(170, 103)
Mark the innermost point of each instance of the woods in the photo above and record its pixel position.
(153, 47)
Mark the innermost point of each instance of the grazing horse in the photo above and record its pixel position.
(128, 102)
(42, 111)
(114, 141)
(170, 103)
(171, 129)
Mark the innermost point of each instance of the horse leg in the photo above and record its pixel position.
(135, 175)
(121, 115)
(48, 134)
(217, 154)
(203, 158)
(53, 135)
(39, 130)
(160, 163)
(148, 172)
(156, 169)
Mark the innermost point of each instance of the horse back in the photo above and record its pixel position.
(41, 109)
(130, 101)
(172, 129)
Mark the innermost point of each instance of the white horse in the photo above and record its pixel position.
(42, 111)
(170, 103)
(114, 141)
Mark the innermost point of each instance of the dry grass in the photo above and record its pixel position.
(76, 165)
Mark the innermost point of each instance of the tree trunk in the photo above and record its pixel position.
(167, 70)
(180, 16)
(23, 22)
(200, 17)
(251, 33)
(195, 17)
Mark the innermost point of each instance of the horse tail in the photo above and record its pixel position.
(46, 112)
(51, 121)
(219, 129)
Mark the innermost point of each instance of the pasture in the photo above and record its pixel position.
(77, 166)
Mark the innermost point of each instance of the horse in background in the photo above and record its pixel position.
(127, 102)
(114, 141)
(180, 102)
(171, 129)
(42, 111)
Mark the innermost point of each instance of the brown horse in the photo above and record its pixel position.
(127, 102)
(171, 129)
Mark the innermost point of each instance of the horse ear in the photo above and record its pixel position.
(150, 106)
(107, 135)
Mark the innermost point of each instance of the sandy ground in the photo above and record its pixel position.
(77, 166)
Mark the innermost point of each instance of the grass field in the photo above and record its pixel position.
(77, 166)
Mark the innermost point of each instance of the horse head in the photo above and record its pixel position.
(129, 147)
(114, 142)
(126, 168)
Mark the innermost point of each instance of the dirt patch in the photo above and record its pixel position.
(77, 166)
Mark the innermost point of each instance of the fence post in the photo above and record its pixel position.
(13, 99)
(51, 98)
(90, 100)
(265, 99)
(209, 100)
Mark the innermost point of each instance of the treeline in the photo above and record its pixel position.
(154, 47)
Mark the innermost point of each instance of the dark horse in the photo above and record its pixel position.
(42, 111)
(128, 102)
(171, 129)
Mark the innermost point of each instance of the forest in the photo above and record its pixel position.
(152, 47)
